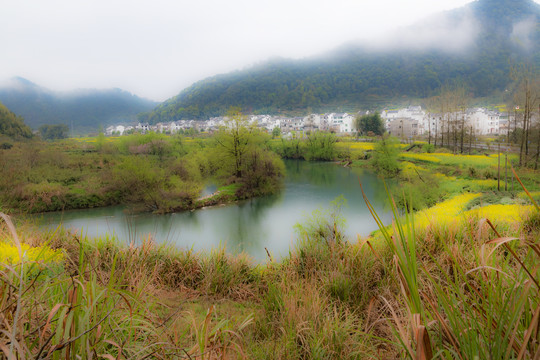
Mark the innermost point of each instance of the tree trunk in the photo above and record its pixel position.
(462, 132)
(429, 130)
(470, 140)
(499, 167)
(522, 146)
(537, 144)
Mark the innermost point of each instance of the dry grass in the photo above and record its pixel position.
(436, 277)
(103, 301)
(469, 288)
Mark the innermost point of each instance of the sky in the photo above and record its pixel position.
(156, 48)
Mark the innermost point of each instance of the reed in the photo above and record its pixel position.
(481, 306)
(65, 297)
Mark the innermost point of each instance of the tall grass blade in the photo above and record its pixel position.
(525, 189)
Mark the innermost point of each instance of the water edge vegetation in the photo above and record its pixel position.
(444, 286)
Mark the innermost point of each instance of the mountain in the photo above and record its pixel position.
(476, 44)
(85, 109)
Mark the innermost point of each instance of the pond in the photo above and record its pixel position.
(249, 226)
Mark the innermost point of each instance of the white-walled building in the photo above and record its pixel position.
(115, 130)
(143, 127)
(341, 122)
(411, 116)
(484, 122)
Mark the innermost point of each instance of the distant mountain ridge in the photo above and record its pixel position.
(86, 109)
(478, 46)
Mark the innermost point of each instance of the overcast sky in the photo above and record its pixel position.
(156, 48)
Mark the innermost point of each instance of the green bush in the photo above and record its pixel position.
(384, 157)
(429, 148)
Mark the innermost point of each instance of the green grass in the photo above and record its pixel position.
(229, 189)
(330, 298)
(442, 281)
(466, 305)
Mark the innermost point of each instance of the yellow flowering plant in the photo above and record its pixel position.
(9, 254)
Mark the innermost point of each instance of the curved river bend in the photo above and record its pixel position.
(250, 225)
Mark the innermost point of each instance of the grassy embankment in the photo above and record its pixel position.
(446, 284)
(151, 172)
(429, 178)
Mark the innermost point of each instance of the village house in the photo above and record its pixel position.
(407, 122)
(405, 128)
(342, 123)
(143, 127)
(115, 130)
(484, 122)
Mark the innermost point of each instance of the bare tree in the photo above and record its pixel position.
(526, 96)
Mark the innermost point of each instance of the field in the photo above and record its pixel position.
(440, 280)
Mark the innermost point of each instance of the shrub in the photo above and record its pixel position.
(384, 157)
(428, 148)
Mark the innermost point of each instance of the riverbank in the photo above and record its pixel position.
(245, 225)
(150, 172)
(444, 283)
(328, 298)
(428, 178)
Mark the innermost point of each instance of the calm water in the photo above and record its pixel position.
(250, 225)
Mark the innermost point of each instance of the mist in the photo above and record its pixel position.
(523, 32)
(443, 31)
(155, 50)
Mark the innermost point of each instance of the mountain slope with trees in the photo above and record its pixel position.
(85, 109)
(503, 33)
(13, 126)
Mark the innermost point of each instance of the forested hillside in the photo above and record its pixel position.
(86, 110)
(507, 34)
(11, 125)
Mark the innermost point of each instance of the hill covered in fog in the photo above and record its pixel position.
(476, 44)
(86, 109)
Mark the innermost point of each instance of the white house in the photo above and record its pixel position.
(341, 122)
(483, 121)
(143, 127)
(412, 115)
(118, 129)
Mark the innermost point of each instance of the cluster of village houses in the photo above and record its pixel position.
(407, 123)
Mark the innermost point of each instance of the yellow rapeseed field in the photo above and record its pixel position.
(410, 169)
(481, 161)
(501, 213)
(9, 254)
(450, 213)
(444, 213)
(356, 146)
(420, 157)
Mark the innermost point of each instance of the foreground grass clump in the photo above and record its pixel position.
(108, 301)
(150, 301)
(475, 295)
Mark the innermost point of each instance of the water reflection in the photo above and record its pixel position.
(248, 226)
